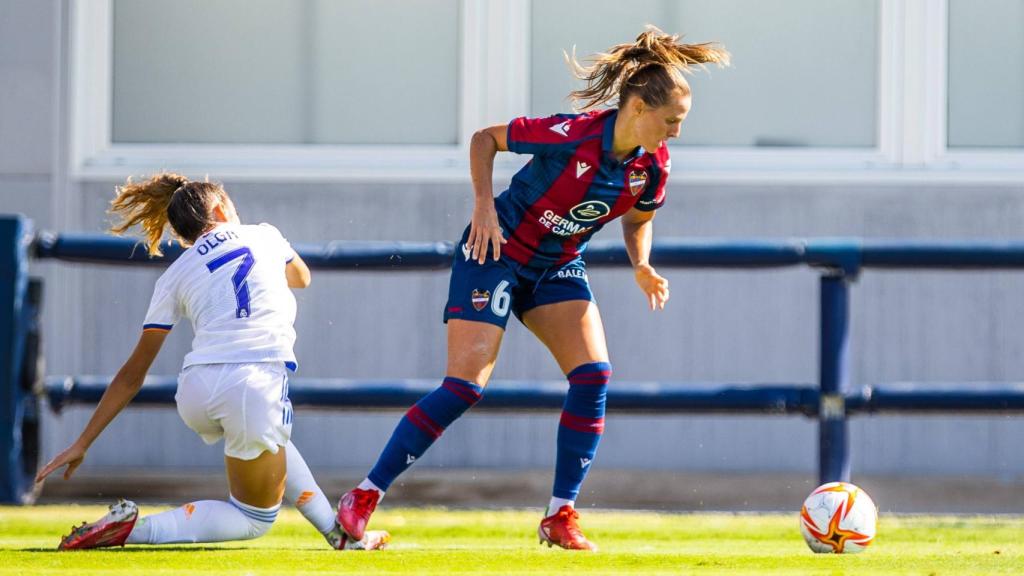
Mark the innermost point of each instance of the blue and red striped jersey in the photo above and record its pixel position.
(573, 186)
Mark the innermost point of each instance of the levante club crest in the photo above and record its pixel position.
(480, 299)
(637, 181)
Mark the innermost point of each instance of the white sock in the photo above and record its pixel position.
(204, 521)
(367, 485)
(555, 503)
(302, 491)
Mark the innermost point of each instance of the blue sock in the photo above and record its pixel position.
(421, 425)
(580, 429)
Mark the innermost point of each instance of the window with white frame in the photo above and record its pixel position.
(322, 87)
(804, 73)
(299, 72)
(985, 81)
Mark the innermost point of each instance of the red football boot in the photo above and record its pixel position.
(354, 511)
(111, 530)
(561, 529)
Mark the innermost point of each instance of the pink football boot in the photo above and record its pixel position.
(354, 511)
(111, 530)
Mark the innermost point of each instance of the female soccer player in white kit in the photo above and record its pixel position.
(233, 283)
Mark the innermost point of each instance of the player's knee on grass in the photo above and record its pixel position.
(259, 520)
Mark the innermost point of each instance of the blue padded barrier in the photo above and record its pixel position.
(18, 316)
(634, 397)
(647, 397)
(949, 397)
(100, 249)
(847, 254)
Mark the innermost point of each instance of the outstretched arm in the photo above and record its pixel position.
(122, 389)
(637, 231)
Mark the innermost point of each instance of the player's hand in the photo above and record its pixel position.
(655, 287)
(72, 457)
(484, 231)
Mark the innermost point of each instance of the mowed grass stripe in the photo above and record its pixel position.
(436, 541)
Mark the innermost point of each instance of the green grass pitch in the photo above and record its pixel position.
(436, 541)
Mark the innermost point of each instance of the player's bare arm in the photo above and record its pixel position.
(637, 231)
(484, 229)
(297, 272)
(119, 394)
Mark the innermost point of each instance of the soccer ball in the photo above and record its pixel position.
(839, 518)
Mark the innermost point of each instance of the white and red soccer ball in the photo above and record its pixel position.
(838, 518)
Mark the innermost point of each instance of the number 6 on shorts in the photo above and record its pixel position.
(501, 300)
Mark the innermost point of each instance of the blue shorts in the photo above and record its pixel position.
(488, 292)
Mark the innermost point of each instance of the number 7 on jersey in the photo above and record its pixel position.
(239, 278)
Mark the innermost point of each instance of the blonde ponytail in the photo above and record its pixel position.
(145, 204)
(651, 67)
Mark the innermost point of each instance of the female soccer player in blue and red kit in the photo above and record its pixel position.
(522, 253)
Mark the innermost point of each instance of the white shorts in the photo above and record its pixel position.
(245, 404)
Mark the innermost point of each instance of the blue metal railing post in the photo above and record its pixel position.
(833, 441)
(15, 237)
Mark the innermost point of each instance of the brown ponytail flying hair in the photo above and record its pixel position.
(650, 68)
(166, 198)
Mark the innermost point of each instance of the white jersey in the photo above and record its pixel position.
(231, 284)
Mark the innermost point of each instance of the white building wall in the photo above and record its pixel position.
(721, 325)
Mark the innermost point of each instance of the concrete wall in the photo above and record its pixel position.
(29, 53)
(721, 326)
